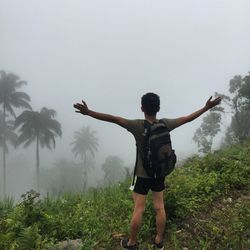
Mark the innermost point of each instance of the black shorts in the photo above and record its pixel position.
(142, 185)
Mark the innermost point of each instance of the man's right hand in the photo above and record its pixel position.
(212, 103)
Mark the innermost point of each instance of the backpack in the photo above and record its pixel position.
(159, 157)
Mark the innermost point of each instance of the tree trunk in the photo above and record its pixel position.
(37, 164)
(238, 131)
(4, 170)
(84, 172)
(4, 152)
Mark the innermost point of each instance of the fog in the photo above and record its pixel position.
(109, 53)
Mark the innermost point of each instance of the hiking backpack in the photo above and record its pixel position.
(159, 157)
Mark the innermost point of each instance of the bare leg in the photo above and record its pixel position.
(139, 206)
(160, 215)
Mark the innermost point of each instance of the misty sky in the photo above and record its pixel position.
(111, 52)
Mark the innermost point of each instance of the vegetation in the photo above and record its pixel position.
(207, 200)
(208, 130)
(7, 134)
(40, 127)
(85, 142)
(10, 98)
(237, 105)
(114, 169)
(65, 176)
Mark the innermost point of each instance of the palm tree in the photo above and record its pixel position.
(10, 99)
(40, 127)
(84, 142)
(6, 134)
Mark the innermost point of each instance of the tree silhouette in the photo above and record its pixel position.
(209, 128)
(239, 107)
(39, 127)
(85, 142)
(7, 134)
(10, 98)
(114, 169)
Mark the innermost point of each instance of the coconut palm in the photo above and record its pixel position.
(40, 127)
(10, 99)
(84, 142)
(6, 134)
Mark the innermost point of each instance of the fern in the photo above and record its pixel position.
(6, 205)
(29, 239)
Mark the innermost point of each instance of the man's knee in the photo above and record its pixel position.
(139, 209)
(159, 208)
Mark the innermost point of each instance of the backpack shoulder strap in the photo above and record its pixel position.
(162, 121)
(146, 124)
(136, 161)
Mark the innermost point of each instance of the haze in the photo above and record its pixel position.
(109, 53)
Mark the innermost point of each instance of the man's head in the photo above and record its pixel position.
(150, 104)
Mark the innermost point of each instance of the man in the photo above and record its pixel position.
(150, 105)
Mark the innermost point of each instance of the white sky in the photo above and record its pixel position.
(111, 52)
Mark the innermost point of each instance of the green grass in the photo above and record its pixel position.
(200, 213)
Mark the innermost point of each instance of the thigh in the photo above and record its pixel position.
(139, 201)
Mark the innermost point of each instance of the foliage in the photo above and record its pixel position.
(113, 168)
(10, 98)
(208, 130)
(40, 127)
(85, 142)
(65, 176)
(239, 104)
(6, 205)
(7, 132)
(224, 224)
(195, 193)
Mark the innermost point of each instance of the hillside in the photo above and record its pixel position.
(207, 201)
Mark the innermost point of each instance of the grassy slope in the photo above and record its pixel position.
(207, 201)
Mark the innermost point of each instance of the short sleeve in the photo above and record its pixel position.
(133, 125)
(171, 123)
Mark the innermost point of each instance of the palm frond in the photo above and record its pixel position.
(84, 141)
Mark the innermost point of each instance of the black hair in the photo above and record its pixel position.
(150, 103)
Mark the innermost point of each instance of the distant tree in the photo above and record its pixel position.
(239, 106)
(114, 169)
(85, 142)
(40, 127)
(10, 99)
(208, 130)
(7, 134)
(245, 89)
(64, 176)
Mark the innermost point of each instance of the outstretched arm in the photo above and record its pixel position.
(83, 109)
(209, 104)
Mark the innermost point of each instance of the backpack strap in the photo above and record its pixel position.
(133, 181)
(146, 126)
(161, 121)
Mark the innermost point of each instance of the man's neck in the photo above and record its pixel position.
(150, 118)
